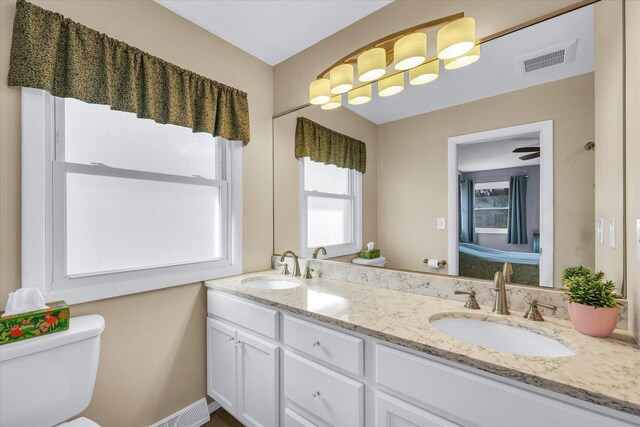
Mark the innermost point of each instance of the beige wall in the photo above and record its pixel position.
(153, 353)
(412, 170)
(286, 205)
(632, 13)
(292, 77)
(609, 126)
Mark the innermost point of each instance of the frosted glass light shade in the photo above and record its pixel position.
(462, 61)
(334, 102)
(361, 95)
(424, 73)
(319, 91)
(410, 51)
(391, 85)
(341, 79)
(372, 64)
(456, 38)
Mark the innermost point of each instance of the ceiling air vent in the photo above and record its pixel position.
(545, 58)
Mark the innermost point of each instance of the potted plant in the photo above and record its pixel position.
(592, 305)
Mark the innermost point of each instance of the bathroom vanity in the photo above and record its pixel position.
(334, 353)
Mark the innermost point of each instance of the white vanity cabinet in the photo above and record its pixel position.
(333, 377)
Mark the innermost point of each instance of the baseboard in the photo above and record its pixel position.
(214, 406)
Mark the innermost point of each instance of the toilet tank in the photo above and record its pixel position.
(47, 380)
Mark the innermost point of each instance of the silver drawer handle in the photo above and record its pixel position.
(316, 344)
(316, 395)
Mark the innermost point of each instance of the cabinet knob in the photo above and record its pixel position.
(232, 339)
(316, 344)
(316, 395)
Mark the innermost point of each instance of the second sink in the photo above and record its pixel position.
(270, 283)
(501, 337)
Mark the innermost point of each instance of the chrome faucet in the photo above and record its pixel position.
(507, 272)
(319, 249)
(295, 272)
(500, 305)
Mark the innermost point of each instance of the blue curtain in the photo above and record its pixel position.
(517, 228)
(466, 213)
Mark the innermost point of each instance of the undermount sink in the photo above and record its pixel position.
(501, 337)
(270, 283)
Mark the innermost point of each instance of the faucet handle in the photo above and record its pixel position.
(285, 268)
(534, 314)
(307, 273)
(471, 302)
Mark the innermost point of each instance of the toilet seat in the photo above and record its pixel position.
(79, 422)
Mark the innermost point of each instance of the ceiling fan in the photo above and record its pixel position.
(535, 152)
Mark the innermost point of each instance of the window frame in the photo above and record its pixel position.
(43, 236)
(485, 186)
(355, 184)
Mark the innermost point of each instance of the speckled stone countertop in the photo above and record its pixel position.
(603, 371)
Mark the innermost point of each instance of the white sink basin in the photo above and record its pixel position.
(270, 283)
(501, 337)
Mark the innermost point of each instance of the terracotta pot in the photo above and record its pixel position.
(597, 322)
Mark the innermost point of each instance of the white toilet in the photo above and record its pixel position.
(45, 381)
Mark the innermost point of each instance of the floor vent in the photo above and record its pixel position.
(193, 415)
(545, 58)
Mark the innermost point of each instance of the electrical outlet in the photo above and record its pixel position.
(612, 233)
(441, 224)
(600, 231)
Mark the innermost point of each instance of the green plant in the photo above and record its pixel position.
(585, 287)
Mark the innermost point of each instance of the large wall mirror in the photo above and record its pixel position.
(505, 160)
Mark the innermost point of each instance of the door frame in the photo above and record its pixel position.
(545, 130)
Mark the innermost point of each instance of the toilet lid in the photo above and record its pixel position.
(80, 422)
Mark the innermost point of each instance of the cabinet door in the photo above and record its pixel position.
(258, 382)
(392, 412)
(222, 364)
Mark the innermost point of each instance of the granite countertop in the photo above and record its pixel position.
(604, 371)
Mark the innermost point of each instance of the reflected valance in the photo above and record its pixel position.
(69, 60)
(322, 144)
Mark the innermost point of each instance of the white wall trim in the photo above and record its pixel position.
(214, 406)
(38, 144)
(545, 129)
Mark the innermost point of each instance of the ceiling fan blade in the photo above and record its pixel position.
(530, 156)
(526, 149)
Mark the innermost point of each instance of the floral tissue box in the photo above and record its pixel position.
(32, 324)
(373, 253)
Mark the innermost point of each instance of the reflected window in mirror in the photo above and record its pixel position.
(330, 208)
(492, 207)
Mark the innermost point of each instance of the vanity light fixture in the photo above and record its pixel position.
(319, 92)
(391, 85)
(372, 64)
(334, 102)
(402, 51)
(424, 73)
(341, 79)
(360, 95)
(410, 51)
(462, 61)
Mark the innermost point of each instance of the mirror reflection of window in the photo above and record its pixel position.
(492, 207)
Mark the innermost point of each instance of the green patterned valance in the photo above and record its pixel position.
(322, 144)
(69, 60)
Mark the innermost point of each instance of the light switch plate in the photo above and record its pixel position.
(638, 238)
(600, 230)
(612, 233)
(441, 224)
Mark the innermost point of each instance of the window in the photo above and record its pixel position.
(128, 204)
(331, 208)
(492, 207)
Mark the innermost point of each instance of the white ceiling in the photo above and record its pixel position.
(273, 30)
(495, 73)
(496, 154)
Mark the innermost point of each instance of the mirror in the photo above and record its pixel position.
(488, 164)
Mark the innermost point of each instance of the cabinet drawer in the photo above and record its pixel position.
(244, 313)
(392, 412)
(338, 349)
(332, 397)
(474, 399)
(293, 419)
